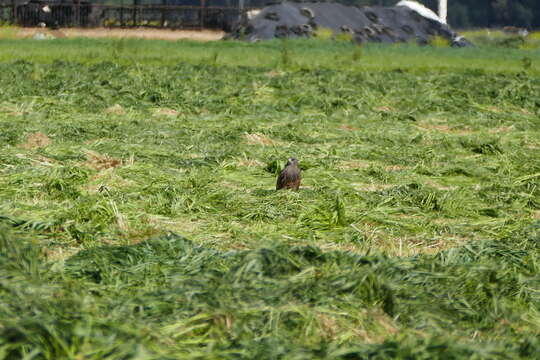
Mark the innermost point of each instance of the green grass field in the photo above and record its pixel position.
(139, 220)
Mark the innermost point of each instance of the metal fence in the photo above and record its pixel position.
(85, 14)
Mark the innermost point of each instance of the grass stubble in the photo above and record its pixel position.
(139, 218)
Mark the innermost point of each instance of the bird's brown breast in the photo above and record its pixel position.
(289, 178)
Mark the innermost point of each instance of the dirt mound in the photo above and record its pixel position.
(364, 24)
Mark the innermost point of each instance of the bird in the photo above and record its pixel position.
(289, 177)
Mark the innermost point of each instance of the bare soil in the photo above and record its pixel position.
(141, 33)
(36, 140)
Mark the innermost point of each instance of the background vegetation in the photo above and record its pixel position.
(462, 14)
(465, 14)
(139, 220)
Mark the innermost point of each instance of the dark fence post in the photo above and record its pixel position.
(163, 3)
(14, 12)
(134, 15)
(122, 13)
(202, 14)
(78, 13)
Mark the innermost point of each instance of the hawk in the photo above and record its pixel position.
(289, 178)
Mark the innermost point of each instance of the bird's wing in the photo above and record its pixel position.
(286, 177)
(281, 180)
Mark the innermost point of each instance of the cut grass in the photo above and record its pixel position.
(167, 297)
(414, 234)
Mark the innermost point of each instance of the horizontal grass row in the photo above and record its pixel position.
(168, 298)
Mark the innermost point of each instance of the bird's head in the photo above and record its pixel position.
(292, 161)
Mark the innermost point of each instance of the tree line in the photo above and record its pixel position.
(479, 13)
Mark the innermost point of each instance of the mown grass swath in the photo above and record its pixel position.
(169, 297)
(139, 216)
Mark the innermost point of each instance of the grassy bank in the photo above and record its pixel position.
(307, 54)
(139, 218)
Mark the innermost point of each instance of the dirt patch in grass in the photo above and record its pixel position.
(250, 163)
(503, 129)
(274, 73)
(384, 320)
(435, 127)
(445, 221)
(116, 109)
(229, 185)
(36, 140)
(101, 162)
(59, 253)
(167, 112)
(259, 139)
(438, 186)
(348, 127)
(494, 109)
(394, 168)
(329, 326)
(354, 164)
(384, 109)
(446, 129)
